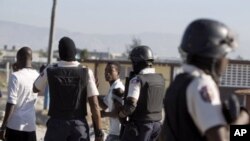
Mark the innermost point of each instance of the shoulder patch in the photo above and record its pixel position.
(135, 80)
(206, 94)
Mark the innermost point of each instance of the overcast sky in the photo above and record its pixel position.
(129, 16)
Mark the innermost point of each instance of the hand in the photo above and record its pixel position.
(123, 121)
(243, 118)
(2, 135)
(99, 135)
(231, 109)
(103, 113)
(99, 139)
(118, 92)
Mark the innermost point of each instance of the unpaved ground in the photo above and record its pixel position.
(42, 118)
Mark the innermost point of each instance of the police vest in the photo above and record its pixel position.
(68, 92)
(179, 124)
(150, 102)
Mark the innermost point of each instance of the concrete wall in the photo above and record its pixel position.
(98, 68)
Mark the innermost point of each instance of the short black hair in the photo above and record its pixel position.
(24, 54)
(115, 63)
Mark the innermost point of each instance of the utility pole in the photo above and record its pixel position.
(51, 32)
(50, 51)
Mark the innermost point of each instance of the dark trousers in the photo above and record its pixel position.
(141, 131)
(15, 135)
(67, 130)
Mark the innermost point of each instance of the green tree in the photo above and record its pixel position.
(135, 42)
(84, 54)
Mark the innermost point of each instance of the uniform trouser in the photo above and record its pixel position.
(111, 137)
(67, 130)
(15, 135)
(141, 131)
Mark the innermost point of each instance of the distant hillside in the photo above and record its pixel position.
(163, 45)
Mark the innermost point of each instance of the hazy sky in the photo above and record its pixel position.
(128, 16)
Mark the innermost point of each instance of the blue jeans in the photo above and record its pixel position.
(46, 98)
(141, 131)
(67, 130)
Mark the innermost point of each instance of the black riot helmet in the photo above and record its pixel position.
(205, 44)
(207, 38)
(141, 57)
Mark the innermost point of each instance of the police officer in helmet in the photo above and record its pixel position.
(192, 103)
(143, 103)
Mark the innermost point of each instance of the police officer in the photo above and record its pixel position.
(192, 103)
(70, 86)
(143, 103)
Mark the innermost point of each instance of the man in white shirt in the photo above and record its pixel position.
(70, 86)
(113, 100)
(192, 104)
(20, 120)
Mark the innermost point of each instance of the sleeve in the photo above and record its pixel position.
(13, 90)
(204, 105)
(134, 88)
(91, 86)
(120, 85)
(41, 82)
(115, 97)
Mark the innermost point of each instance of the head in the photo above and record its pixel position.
(112, 71)
(67, 49)
(24, 58)
(205, 44)
(141, 57)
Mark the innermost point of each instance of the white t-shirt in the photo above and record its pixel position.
(203, 100)
(20, 93)
(114, 127)
(42, 80)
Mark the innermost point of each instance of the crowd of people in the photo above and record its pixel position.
(192, 104)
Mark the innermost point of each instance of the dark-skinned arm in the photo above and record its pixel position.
(242, 119)
(217, 133)
(101, 102)
(35, 90)
(96, 116)
(221, 133)
(128, 108)
(8, 112)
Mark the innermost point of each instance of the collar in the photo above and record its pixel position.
(147, 70)
(195, 71)
(68, 63)
(116, 81)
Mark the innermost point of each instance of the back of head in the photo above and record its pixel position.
(141, 54)
(24, 53)
(141, 57)
(24, 57)
(207, 38)
(67, 49)
(205, 44)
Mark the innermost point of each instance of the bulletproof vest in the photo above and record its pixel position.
(179, 124)
(150, 102)
(68, 92)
